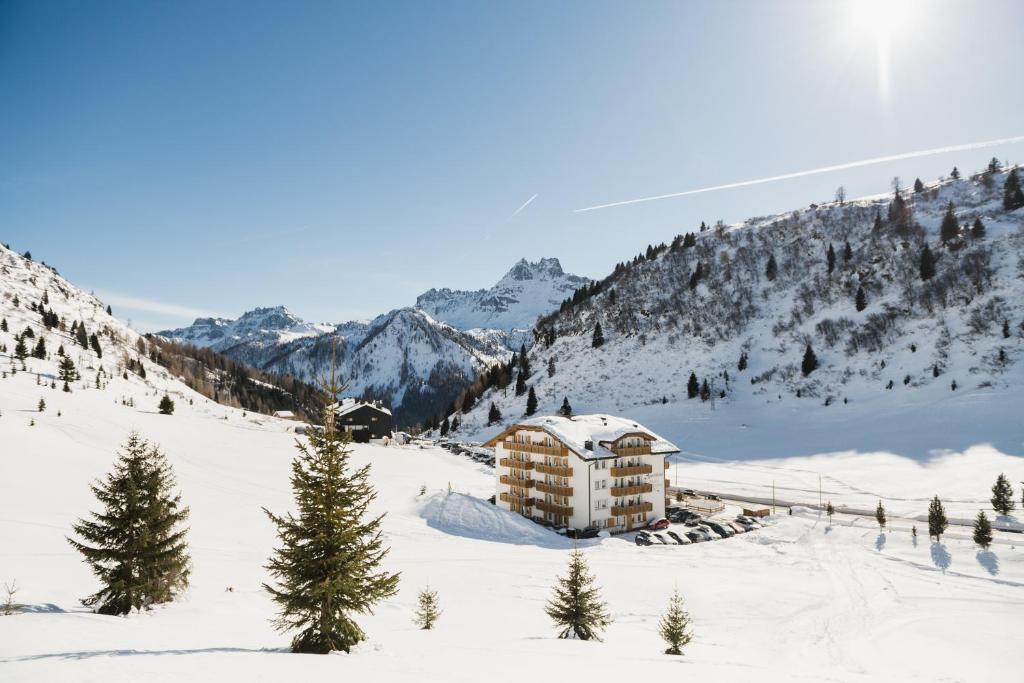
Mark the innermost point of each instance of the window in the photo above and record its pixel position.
(601, 504)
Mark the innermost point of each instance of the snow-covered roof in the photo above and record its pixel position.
(347, 405)
(284, 413)
(600, 430)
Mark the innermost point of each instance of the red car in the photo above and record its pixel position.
(658, 524)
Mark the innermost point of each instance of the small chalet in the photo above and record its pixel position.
(364, 420)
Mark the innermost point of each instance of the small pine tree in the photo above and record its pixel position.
(566, 409)
(829, 510)
(598, 339)
(166, 405)
(937, 522)
(444, 428)
(576, 606)
(830, 259)
(772, 269)
(136, 547)
(493, 415)
(3, 325)
(982, 530)
(1006, 329)
(42, 405)
(327, 567)
(520, 383)
(847, 252)
(810, 361)
(66, 370)
(861, 301)
(705, 390)
(949, 230)
(531, 402)
(40, 350)
(1013, 196)
(927, 264)
(918, 185)
(551, 366)
(742, 365)
(977, 229)
(674, 625)
(427, 609)
(955, 173)
(880, 515)
(1002, 496)
(20, 350)
(692, 386)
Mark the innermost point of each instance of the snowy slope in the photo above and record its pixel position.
(527, 290)
(658, 330)
(798, 601)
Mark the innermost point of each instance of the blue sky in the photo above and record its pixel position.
(186, 158)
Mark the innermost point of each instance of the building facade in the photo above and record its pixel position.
(363, 420)
(582, 472)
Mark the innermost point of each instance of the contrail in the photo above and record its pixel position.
(814, 171)
(525, 204)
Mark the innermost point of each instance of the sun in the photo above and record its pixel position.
(885, 24)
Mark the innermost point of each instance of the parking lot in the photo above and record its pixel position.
(686, 525)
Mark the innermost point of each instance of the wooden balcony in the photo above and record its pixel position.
(510, 499)
(516, 464)
(540, 449)
(551, 507)
(630, 451)
(509, 480)
(556, 470)
(619, 491)
(619, 510)
(633, 471)
(553, 489)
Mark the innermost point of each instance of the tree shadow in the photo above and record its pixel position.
(880, 542)
(89, 654)
(988, 560)
(45, 608)
(941, 556)
(913, 539)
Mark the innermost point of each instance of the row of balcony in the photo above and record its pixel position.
(554, 489)
(509, 480)
(556, 470)
(619, 510)
(544, 506)
(516, 464)
(541, 449)
(620, 491)
(630, 471)
(509, 498)
(630, 451)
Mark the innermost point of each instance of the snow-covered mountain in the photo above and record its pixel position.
(260, 326)
(701, 303)
(525, 292)
(418, 358)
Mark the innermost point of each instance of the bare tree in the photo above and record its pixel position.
(841, 195)
(11, 589)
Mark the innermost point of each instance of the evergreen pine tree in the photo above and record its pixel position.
(829, 510)
(880, 515)
(1002, 496)
(20, 350)
(927, 265)
(66, 370)
(692, 386)
(136, 547)
(830, 259)
(705, 390)
(977, 229)
(520, 384)
(566, 409)
(598, 339)
(551, 366)
(444, 427)
(3, 325)
(40, 350)
(949, 230)
(94, 342)
(937, 521)
(861, 301)
(493, 415)
(327, 567)
(576, 606)
(531, 402)
(847, 251)
(742, 365)
(982, 530)
(674, 625)
(81, 337)
(427, 609)
(166, 405)
(772, 269)
(955, 173)
(42, 405)
(1013, 196)
(918, 185)
(109, 312)
(810, 361)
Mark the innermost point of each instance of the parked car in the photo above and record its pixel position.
(750, 521)
(660, 538)
(689, 492)
(658, 524)
(722, 531)
(695, 536)
(643, 538)
(737, 527)
(712, 496)
(680, 540)
(694, 520)
(589, 532)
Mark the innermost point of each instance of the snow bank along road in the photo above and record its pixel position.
(798, 601)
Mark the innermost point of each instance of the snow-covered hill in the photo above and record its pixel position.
(526, 291)
(260, 327)
(885, 374)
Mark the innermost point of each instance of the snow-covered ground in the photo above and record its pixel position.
(793, 602)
